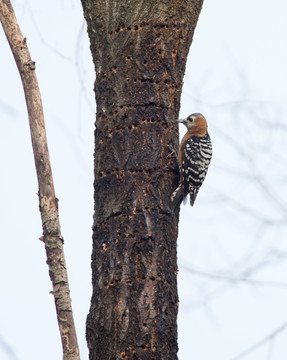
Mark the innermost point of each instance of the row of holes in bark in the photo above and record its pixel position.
(126, 107)
(121, 173)
(131, 126)
(120, 128)
(107, 133)
(160, 52)
(124, 356)
(114, 282)
(105, 246)
(138, 27)
(128, 58)
(166, 81)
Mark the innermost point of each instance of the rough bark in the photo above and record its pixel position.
(139, 50)
(48, 202)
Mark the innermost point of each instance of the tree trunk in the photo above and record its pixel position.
(139, 50)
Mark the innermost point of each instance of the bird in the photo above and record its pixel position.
(194, 155)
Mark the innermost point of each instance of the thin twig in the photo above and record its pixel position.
(48, 202)
(261, 342)
(245, 280)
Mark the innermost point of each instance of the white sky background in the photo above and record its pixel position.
(237, 229)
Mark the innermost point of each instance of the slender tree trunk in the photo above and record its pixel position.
(139, 50)
(47, 200)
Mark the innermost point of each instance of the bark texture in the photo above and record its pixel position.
(48, 202)
(139, 50)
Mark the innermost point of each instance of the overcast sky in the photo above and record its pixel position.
(235, 76)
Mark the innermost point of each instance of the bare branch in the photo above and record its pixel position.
(244, 280)
(48, 202)
(7, 348)
(269, 337)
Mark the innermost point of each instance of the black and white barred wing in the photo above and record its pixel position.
(196, 156)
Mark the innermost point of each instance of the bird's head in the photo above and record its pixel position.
(196, 124)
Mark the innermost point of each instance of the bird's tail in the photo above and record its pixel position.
(176, 197)
(192, 194)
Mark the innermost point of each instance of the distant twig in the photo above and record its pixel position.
(43, 40)
(244, 280)
(261, 342)
(8, 350)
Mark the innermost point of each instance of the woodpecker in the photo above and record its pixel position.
(194, 155)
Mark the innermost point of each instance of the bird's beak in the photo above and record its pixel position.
(182, 121)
